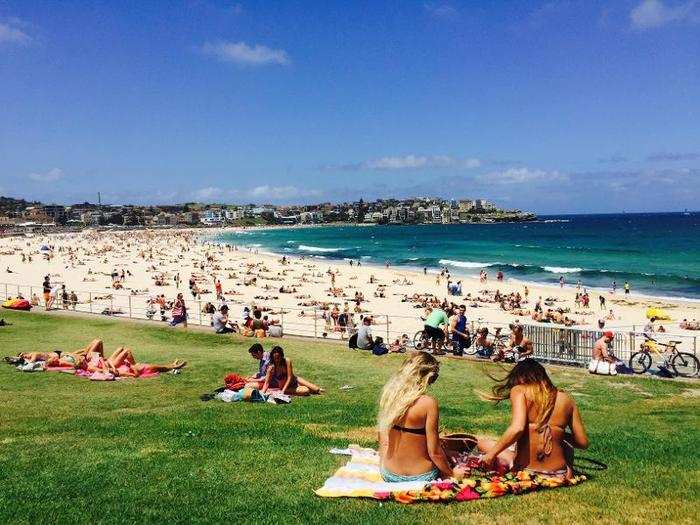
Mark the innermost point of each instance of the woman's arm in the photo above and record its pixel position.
(289, 376)
(578, 431)
(432, 435)
(518, 425)
(268, 376)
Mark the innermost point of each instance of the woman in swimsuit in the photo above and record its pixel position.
(541, 415)
(409, 443)
(280, 375)
(122, 363)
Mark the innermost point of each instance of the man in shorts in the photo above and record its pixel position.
(435, 329)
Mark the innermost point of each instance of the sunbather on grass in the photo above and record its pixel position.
(541, 416)
(280, 375)
(122, 363)
(409, 443)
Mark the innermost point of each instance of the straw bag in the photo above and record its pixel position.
(456, 444)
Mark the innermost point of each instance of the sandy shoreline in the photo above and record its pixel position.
(84, 261)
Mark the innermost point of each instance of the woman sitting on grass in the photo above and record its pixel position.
(280, 375)
(541, 415)
(409, 444)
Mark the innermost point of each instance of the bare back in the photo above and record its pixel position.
(406, 452)
(549, 438)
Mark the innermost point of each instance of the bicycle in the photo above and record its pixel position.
(683, 364)
(422, 341)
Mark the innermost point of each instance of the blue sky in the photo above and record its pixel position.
(571, 106)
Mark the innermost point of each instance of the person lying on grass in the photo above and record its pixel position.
(121, 363)
(280, 375)
(409, 443)
(541, 415)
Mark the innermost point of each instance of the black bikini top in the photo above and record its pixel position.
(417, 431)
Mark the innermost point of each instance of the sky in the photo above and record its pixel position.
(554, 107)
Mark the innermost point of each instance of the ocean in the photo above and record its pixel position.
(658, 254)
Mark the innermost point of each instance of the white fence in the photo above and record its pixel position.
(551, 342)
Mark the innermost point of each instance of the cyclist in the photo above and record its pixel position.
(435, 329)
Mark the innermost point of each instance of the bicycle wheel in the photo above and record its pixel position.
(685, 364)
(640, 362)
(419, 340)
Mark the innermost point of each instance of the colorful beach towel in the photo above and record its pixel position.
(360, 478)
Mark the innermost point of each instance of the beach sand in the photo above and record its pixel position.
(84, 262)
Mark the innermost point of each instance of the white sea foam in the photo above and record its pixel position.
(561, 269)
(317, 249)
(465, 264)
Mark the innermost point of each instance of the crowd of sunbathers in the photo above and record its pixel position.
(545, 426)
(91, 362)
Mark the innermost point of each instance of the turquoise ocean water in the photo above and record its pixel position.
(659, 254)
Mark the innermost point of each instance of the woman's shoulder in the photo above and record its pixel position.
(425, 401)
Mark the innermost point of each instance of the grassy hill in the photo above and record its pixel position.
(150, 451)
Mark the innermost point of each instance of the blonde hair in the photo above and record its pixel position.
(417, 371)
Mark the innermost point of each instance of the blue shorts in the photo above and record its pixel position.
(390, 477)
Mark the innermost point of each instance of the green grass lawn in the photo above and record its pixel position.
(150, 451)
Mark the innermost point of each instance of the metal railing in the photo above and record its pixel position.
(551, 342)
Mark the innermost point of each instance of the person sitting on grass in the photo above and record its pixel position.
(257, 352)
(408, 423)
(280, 376)
(220, 321)
(484, 346)
(541, 416)
(518, 348)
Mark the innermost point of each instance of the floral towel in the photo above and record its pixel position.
(360, 478)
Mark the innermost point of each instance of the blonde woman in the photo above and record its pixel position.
(409, 444)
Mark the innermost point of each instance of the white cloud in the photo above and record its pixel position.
(441, 10)
(525, 175)
(10, 33)
(242, 53)
(208, 193)
(408, 162)
(655, 13)
(280, 192)
(50, 176)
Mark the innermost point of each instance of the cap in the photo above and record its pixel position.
(609, 334)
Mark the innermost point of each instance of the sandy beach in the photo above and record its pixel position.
(295, 291)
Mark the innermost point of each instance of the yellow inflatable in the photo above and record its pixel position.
(660, 314)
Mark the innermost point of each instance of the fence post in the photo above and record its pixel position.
(5, 290)
(90, 301)
(129, 306)
(111, 304)
(282, 319)
(695, 345)
(387, 328)
(199, 306)
(315, 323)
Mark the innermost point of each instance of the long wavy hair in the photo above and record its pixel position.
(533, 376)
(411, 381)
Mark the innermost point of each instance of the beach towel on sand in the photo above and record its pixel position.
(360, 478)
